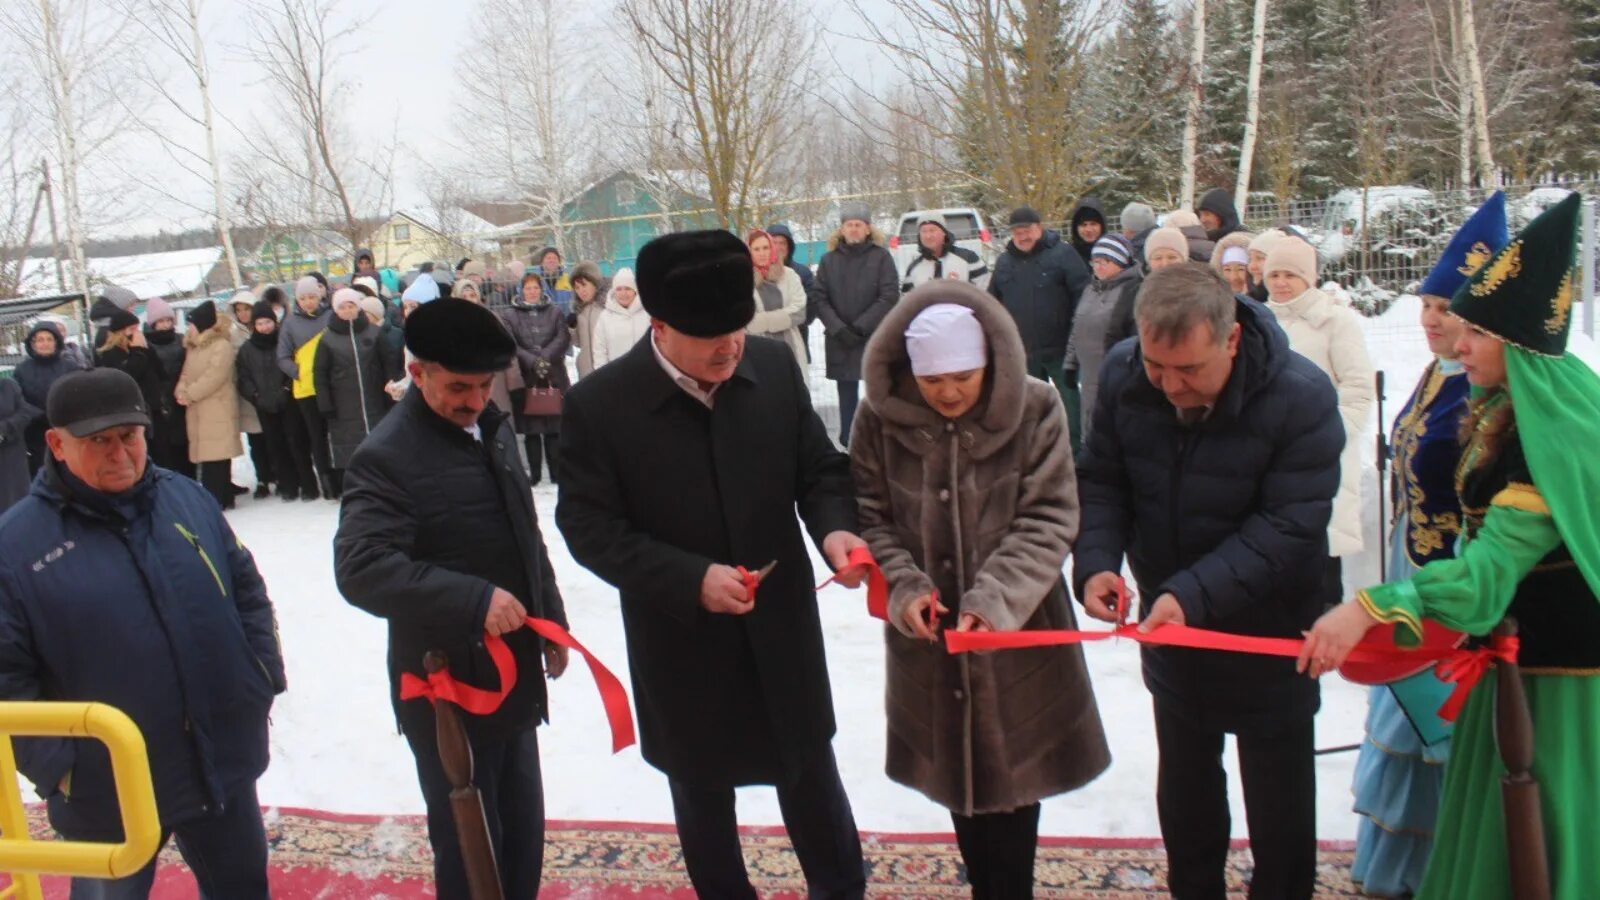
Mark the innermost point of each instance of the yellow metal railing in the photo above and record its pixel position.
(24, 858)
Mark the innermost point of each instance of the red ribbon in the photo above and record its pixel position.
(877, 586)
(1466, 667)
(1462, 667)
(482, 701)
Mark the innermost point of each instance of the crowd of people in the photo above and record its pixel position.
(1181, 400)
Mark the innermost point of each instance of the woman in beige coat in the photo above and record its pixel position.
(1328, 333)
(969, 503)
(780, 298)
(210, 400)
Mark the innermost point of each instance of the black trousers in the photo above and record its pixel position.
(227, 854)
(297, 437)
(316, 435)
(540, 446)
(288, 473)
(1280, 798)
(217, 478)
(506, 773)
(849, 399)
(261, 457)
(815, 811)
(998, 849)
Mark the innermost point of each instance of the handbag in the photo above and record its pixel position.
(542, 402)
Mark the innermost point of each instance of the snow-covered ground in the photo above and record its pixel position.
(335, 747)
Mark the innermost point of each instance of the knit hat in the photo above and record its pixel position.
(1524, 295)
(372, 306)
(933, 218)
(121, 296)
(117, 318)
(511, 272)
(1480, 237)
(1182, 218)
(1114, 247)
(1266, 240)
(242, 298)
(368, 282)
(1023, 215)
(158, 309)
(1168, 238)
(697, 282)
(855, 210)
(1137, 217)
(204, 316)
(262, 310)
(423, 290)
(1235, 256)
(346, 295)
(624, 278)
(307, 287)
(946, 338)
(462, 336)
(1294, 256)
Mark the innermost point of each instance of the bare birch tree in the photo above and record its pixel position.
(1196, 88)
(175, 27)
(1480, 106)
(1252, 112)
(728, 66)
(298, 44)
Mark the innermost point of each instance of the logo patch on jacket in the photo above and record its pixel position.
(52, 556)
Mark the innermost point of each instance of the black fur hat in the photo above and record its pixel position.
(701, 283)
(460, 335)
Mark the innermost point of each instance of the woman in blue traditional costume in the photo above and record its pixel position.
(1400, 772)
(1530, 552)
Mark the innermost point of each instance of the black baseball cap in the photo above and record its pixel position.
(85, 403)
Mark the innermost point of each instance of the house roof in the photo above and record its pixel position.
(454, 221)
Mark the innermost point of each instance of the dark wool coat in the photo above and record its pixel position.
(983, 510)
(1230, 516)
(259, 380)
(167, 415)
(141, 364)
(349, 377)
(541, 333)
(431, 521)
(35, 375)
(655, 488)
(150, 604)
(1040, 289)
(16, 414)
(855, 287)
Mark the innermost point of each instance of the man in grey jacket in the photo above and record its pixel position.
(297, 338)
(1038, 280)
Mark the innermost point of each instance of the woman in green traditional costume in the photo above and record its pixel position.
(1528, 481)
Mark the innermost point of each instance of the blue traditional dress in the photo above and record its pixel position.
(1399, 773)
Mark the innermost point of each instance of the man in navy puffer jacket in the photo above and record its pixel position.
(122, 583)
(1211, 467)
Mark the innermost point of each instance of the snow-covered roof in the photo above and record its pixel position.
(453, 222)
(148, 274)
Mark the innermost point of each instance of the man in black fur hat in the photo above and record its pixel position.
(438, 535)
(689, 458)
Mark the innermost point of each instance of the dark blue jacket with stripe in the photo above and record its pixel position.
(146, 601)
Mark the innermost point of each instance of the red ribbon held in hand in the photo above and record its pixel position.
(1462, 667)
(877, 586)
(483, 701)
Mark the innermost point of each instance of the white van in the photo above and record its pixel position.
(965, 224)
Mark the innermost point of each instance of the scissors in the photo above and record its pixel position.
(752, 580)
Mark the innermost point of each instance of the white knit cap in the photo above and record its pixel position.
(346, 295)
(624, 278)
(946, 338)
(307, 287)
(1236, 256)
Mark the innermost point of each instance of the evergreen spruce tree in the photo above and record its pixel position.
(1578, 119)
(1227, 75)
(1139, 75)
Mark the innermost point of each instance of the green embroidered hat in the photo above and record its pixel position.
(1523, 295)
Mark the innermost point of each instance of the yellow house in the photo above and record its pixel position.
(421, 234)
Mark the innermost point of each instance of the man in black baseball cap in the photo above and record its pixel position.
(122, 583)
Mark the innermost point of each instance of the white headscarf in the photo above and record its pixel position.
(946, 338)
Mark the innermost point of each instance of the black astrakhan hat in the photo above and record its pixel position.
(701, 283)
(1523, 295)
(461, 336)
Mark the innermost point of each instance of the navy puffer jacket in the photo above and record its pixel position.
(146, 602)
(1229, 515)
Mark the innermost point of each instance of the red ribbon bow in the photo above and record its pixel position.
(877, 585)
(483, 701)
(1465, 667)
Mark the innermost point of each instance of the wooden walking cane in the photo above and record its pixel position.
(466, 804)
(1519, 791)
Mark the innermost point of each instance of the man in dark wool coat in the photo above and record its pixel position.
(689, 457)
(438, 535)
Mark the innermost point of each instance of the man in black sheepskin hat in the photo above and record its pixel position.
(438, 535)
(683, 461)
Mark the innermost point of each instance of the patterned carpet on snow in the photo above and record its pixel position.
(323, 856)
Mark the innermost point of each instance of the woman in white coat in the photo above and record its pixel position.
(622, 322)
(1328, 333)
(780, 298)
